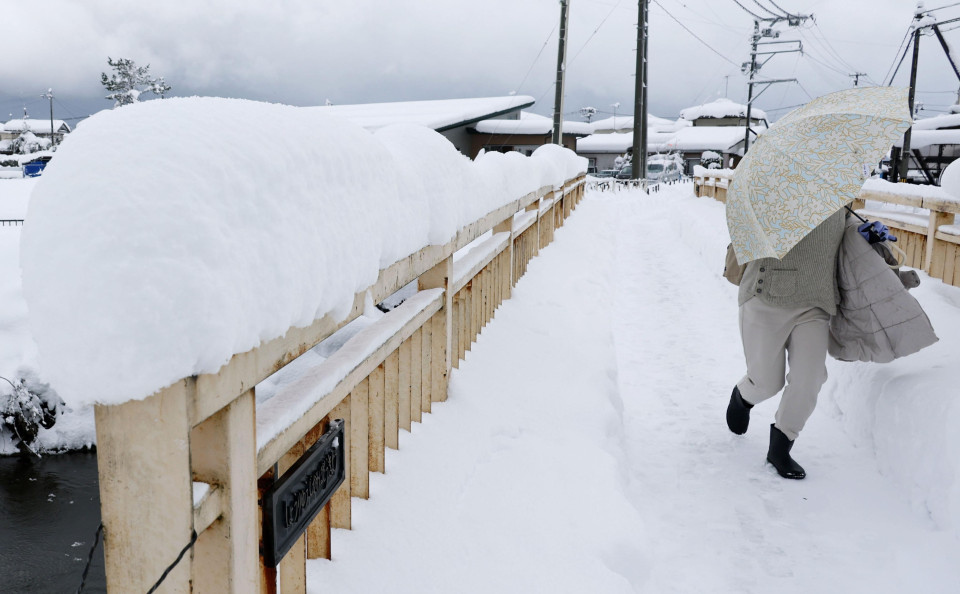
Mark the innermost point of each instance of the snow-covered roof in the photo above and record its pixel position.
(721, 108)
(706, 138)
(950, 120)
(920, 138)
(441, 114)
(530, 123)
(619, 142)
(35, 126)
(625, 123)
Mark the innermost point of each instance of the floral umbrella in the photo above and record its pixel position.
(808, 165)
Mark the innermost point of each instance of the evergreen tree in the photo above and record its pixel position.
(129, 81)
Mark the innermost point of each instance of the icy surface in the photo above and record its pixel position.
(136, 277)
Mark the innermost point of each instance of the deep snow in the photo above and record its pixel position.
(136, 278)
(583, 447)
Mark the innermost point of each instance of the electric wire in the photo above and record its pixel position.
(902, 58)
(899, 47)
(708, 46)
(534, 63)
(942, 7)
(757, 2)
(777, 6)
(615, 6)
(832, 49)
(750, 12)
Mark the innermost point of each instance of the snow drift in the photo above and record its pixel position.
(169, 235)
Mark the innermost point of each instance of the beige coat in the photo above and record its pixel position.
(877, 319)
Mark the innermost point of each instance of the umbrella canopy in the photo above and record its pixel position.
(808, 165)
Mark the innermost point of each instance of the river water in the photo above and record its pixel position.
(49, 513)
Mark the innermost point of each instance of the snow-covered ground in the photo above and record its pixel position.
(583, 447)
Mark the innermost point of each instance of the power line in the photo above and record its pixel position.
(900, 47)
(789, 14)
(657, 2)
(615, 6)
(750, 12)
(757, 2)
(942, 7)
(534, 63)
(836, 54)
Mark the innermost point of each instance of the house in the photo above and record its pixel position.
(613, 137)
(454, 118)
(718, 126)
(523, 134)
(39, 129)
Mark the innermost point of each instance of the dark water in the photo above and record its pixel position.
(49, 512)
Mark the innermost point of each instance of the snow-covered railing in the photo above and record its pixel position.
(380, 381)
(196, 456)
(923, 219)
(711, 182)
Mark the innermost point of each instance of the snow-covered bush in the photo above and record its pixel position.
(711, 160)
(28, 142)
(26, 404)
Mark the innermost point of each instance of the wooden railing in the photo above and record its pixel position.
(198, 455)
(712, 183)
(930, 239)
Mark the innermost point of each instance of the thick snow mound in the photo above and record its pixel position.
(169, 235)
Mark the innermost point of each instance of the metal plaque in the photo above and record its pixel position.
(294, 501)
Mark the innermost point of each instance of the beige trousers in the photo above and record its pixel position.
(774, 337)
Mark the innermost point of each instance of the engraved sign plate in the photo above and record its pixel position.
(294, 501)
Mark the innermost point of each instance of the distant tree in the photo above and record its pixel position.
(129, 81)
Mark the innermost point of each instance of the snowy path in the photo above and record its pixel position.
(722, 520)
(583, 448)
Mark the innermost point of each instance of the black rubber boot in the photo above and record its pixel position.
(738, 413)
(779, 455)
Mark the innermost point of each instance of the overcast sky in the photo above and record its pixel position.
(304, 52)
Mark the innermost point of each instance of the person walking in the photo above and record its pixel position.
(785, 308)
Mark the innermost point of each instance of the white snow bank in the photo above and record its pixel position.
(153, 253)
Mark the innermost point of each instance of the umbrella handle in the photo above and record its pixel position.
(900, 255)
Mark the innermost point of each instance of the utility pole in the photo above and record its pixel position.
(905, 154)
(49, 95)
(856, 77)
(639, 159)
(752, 67)
(754, 39)
(561, 66)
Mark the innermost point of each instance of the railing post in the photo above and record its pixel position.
(224, 453)
(936, 220)
(440, 277)
(146, 492)
(507, 227)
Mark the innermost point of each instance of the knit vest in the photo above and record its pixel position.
(807, 274)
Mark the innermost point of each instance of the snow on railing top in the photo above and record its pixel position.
(169, 235)
(701, 171)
